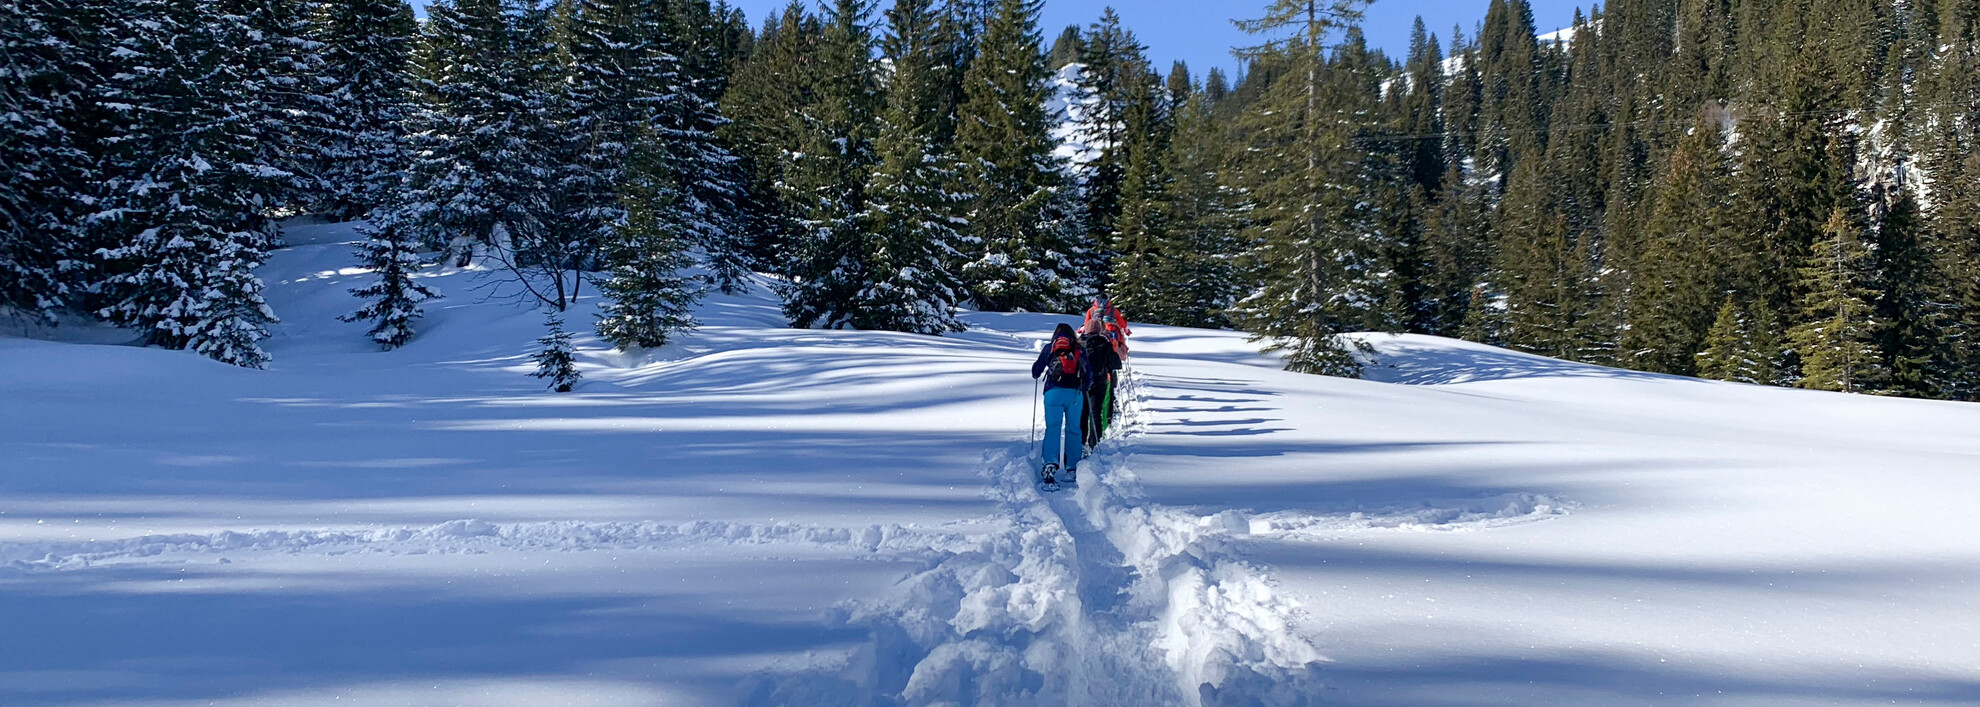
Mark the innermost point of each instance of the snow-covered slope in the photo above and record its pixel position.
(766, 516)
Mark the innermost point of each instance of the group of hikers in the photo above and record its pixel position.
(1081, 370)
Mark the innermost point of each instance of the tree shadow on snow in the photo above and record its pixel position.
(172, 643)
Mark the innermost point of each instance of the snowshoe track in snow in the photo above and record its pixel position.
(472, 536)
(1092, 597)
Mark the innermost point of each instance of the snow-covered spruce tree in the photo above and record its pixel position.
(392, 253)
(708, 175)
(764, 104)
(182, 195)
(614, 78)
(281, 63)
(366, 90)
(1740, 349)
(1148, 260)
(649, 294)
(1024, 227)
(481, 153)
(620, 92)
(556, 361)
(910, 211)
(1316, 234)
(1112, 79)
(45, 172)
(826, 182)
(1837, 341)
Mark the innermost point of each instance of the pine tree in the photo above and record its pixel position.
(1914, 330)
(826, 182)
(1684, 268)
(366, 80)
(1739, 349)
(1206, 222)
(1952, 233)
(556, 361)
(1837, 341)
(1147, 241)
(45, 74)
(1457, 253)
(1316, 231)
(768, 96)
(650, 297)
(482, 163)
(614, 82)
(281, 64)
(1543, 270)
(1023, 224)
(708, 174)
(914, 234)
(1066, 49)
(390, 251)
(1113, 82)
(182, 195)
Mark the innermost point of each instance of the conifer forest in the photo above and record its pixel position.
(1777, 192)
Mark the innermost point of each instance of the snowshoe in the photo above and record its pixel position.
(1049, 477)
(1069, 476)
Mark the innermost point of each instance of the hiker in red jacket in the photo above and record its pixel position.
(1104, 311)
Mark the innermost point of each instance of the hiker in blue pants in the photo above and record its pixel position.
(1068, 375)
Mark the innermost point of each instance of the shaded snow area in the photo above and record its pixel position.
(766, 516)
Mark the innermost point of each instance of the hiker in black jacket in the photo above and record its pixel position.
(1068, 374)
(1106, 364)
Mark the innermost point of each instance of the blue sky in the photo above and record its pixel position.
(1200, 31)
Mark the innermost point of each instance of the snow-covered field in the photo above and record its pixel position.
(762, 516)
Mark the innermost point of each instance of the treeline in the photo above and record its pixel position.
(1771, 191)
(152, 146)
(1781, 192)
(899, 172)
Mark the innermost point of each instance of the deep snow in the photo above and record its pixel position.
(761, 515)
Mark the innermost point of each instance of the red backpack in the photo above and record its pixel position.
(1064, 366)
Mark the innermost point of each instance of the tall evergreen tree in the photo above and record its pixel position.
(911, 214)
(709, 177)
(1066, 49)
(826, 182)
(1837, 339)
(770, 93)
(1314, 228)
(1682, 273)
(1113, 82)
(46, 70)
(483, 158)
(1147, 239)
(1951, 145)
(181, 202)
(282, 65)
(366, 87)
(1023, 228)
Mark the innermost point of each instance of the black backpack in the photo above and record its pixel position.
(1062, 369)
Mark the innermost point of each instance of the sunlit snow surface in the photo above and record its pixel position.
(759, 515)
